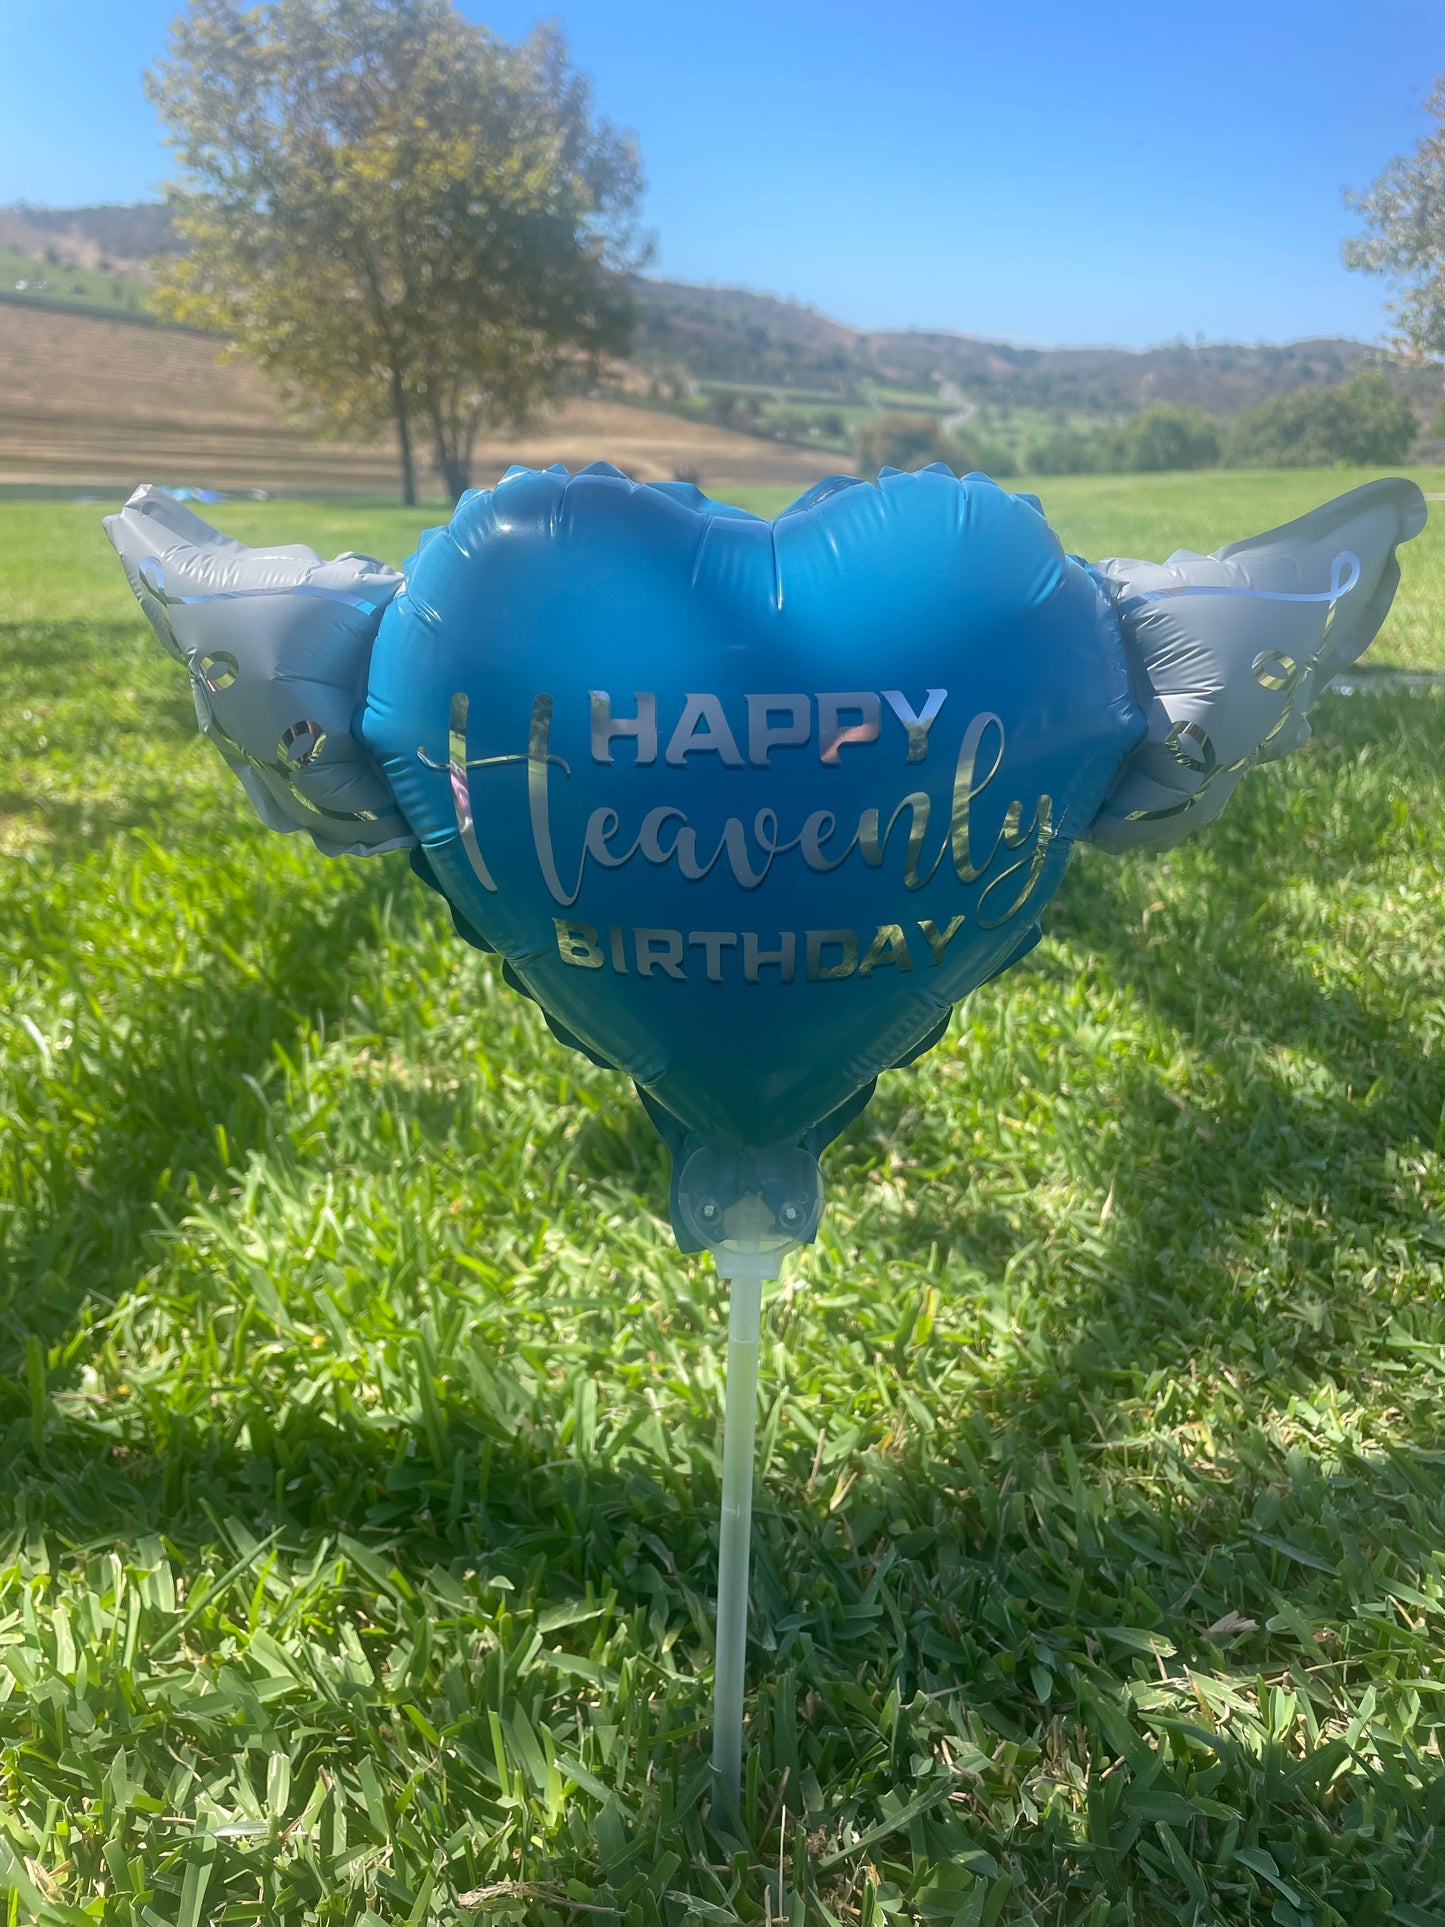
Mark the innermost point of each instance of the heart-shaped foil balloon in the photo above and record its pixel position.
(748, 806)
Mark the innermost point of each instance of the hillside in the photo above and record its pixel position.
(731, 380)
(752, 361)
(731, 335)
(88, 402)
(119, 239)
(728, 335)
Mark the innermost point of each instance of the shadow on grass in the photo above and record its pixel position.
(85, 706)
(1019, 1591)
(1304, 1096)
(84, 823)
(51, 658)
(189, 1063)
(981, 1603)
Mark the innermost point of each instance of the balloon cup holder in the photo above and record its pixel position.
(750, 1208)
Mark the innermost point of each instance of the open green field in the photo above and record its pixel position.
(360, 1426)
(1151, 515)
(70, 287)
(56, 562)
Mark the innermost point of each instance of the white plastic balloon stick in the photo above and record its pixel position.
(750, 1209)
(739, 1430)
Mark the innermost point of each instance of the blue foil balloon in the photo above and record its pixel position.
(747, 806)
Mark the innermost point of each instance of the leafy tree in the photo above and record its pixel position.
(913, 441)
(396, 213)
(909, 441)
(1066, 452)
(1165, 436)
(1161, 436)
(901, 441)
(993, 458)
(1404, 215)
(1360, 422)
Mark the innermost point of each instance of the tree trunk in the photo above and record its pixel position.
(452, 442)
(456, 473)
(454, 460)
(403, 440)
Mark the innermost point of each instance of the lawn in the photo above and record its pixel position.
(360, 1426)
(67, 286)
(1151, 515)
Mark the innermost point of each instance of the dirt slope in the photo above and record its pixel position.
(104, 404)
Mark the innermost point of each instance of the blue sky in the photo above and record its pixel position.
(1044, 172)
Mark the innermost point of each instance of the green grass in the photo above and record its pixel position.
(1019, 431)
(803, 412)
(1000, 427)
(361, 1426)
(1151, 515)
(82, 288)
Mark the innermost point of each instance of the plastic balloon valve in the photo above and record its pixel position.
(750, 1208)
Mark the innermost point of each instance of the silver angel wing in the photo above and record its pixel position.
(277, 644)
(1231, 649)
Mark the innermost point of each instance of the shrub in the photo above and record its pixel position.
(1162, 436)
(1066, 452)
(1165, 436)
(909, 441)
(913, 441)
(1360, 421)
(993, 460)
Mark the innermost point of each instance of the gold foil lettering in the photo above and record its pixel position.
(714, 942)
(784, 956)
(658, 950)
(938, 944)
(735, 842)
(642, 727)
(1043, 822)
(703, 727)
(649, 836)
(971, 779)
(602, 825)
(665, 834)
(917, 726)
(889, 946)
(872, 847)
(765, 735)
(577, 944)
(815, 832)
(461, 791)
(539, 738)
(833, 705)
(845, 941)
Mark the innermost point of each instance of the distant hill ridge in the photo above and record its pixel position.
(125, 238)
(706, 335)
(729, 334)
